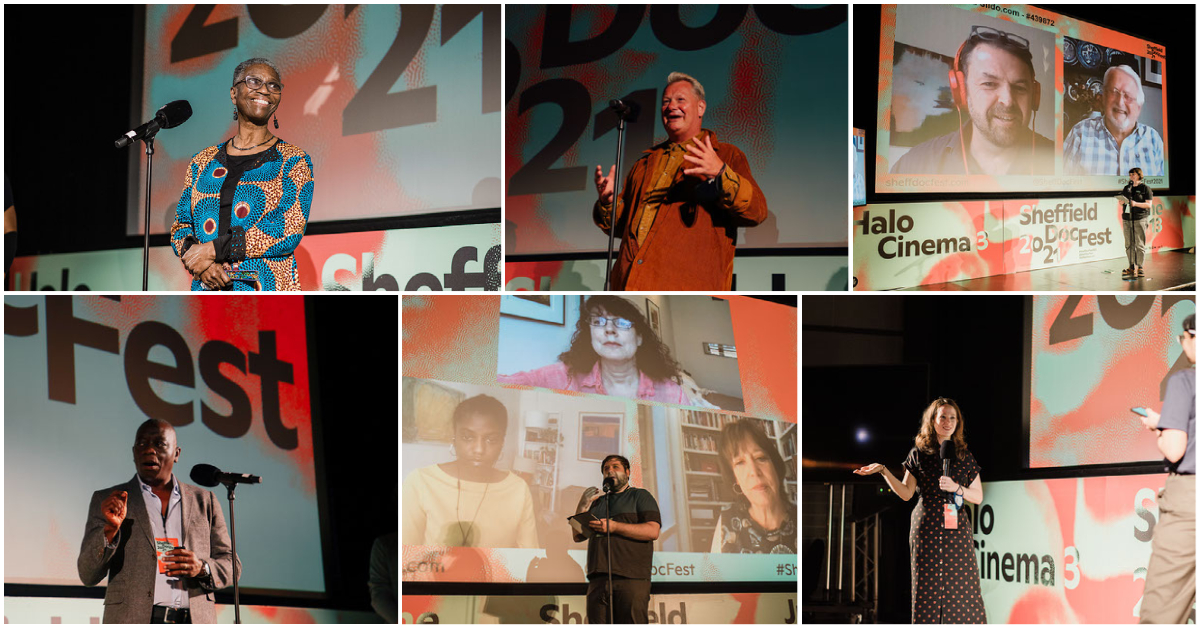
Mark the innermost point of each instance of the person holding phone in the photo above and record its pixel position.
(1170, 592)
(157, 535)
(945, 572)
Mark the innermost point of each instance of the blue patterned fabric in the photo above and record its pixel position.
(269, 214)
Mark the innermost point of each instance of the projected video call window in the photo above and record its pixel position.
(967, 102)
(650, 348)
(492, 473)
(1091, 359)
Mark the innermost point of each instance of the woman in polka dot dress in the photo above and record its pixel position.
(945, 573)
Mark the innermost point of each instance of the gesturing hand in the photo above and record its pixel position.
(870, 469)
(708, 164)
(585, 502)
(198, 257)
(604, 185)
(182, 562)
(1150, 422)
(113, 508)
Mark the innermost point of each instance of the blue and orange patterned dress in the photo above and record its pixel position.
(267, 218)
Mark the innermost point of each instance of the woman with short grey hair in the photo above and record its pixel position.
(246, 201)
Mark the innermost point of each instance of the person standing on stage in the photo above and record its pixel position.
(681, 204)
(635, 523)
(1134, 222)
(1170, 592)
(945, 573)
(162, 544)
(1104, 144)
(245, 201)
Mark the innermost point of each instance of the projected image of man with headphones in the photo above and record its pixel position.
(993, 82)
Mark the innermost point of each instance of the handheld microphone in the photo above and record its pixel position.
(609, 484)
(208, 475)
(946, 452)
(624, 110)
(168, 116)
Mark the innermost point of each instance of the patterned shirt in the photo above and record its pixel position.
(738, 533)
(269, 213)
(1091, 149)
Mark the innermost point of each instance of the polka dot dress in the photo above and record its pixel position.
(945, 573)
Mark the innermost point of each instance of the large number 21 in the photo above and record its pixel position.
(372, 108)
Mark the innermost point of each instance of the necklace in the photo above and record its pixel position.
(249, 147)
(458, 502)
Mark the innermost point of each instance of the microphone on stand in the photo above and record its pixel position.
(609, 484)
(625, 110)
(168, 116)
(208, 475)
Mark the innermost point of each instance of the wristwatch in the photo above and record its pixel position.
(204, 571)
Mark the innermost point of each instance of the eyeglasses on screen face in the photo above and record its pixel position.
(1185, 336)
(253, 82)
(620, 323)
(985, 33)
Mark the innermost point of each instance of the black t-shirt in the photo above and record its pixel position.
(631, 559)
(1139, 193)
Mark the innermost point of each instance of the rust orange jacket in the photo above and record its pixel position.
(691, 243)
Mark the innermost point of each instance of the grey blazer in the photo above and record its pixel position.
(130, 567)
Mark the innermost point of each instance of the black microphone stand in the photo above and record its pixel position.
(237, 603)
(622, 115)
(148, 140)
(608, 500)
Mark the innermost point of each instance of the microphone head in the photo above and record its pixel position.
(609, 483)
(947, 448)
(173, 113)
(205, 474)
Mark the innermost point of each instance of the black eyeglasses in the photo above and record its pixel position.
(985, 33)
(621, 323)
(1187, 335)
(253, 82)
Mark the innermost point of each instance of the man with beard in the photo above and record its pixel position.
(994, 80)
(635, 524)
(681, 204)
(161, 543)
(1114, 142)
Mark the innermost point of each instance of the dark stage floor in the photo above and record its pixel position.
(1172, 270)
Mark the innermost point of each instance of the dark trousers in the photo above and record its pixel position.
(631, 600)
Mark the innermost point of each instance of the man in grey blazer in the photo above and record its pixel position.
(162, 544)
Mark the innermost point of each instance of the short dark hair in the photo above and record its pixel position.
(738, 432)
(1138, 171)
(485, 405)
(622, 459)
(653, 357)
(1023, 54)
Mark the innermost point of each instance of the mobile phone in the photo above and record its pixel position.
(1139, 410)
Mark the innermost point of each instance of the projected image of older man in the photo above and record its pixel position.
(1115, 141)
(999, 92)
(681, 204)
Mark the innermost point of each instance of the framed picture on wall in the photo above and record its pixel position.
(599, 435)
(428, 408)
(535, 307)
(654, 316)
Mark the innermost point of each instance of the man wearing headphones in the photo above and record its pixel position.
(993, 79)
